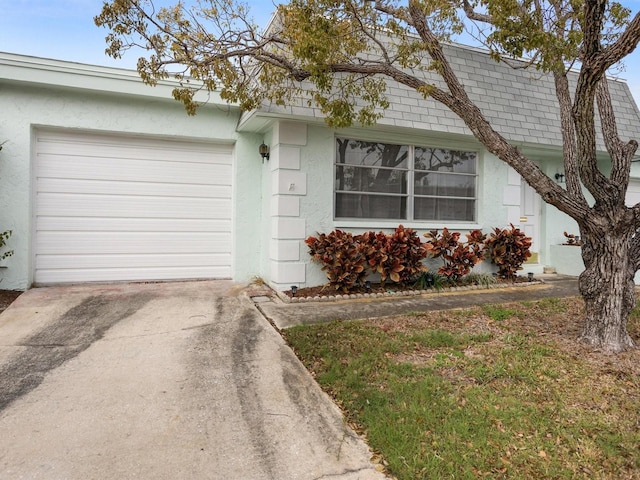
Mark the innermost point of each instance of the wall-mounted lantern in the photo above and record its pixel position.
(264, 152)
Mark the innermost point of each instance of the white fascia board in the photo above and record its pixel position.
(255, 122)
(57, 73)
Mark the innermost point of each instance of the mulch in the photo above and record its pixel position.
(7, 297)
(326, 289)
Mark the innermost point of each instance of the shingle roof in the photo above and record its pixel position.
(520, 103)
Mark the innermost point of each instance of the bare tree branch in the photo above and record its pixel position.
(626, 44)
(568, 136)
(621, 153)
(475, 16)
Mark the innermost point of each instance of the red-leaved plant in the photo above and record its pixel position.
(379, 260)
(342, 257)
(458, 257)
(397, 256)
(509, 250)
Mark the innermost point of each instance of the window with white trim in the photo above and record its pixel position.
(404, 182)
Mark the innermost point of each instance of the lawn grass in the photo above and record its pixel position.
(490, 392)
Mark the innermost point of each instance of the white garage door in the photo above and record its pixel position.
(110, 208)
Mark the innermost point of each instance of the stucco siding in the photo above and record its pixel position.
(317, 207)
(277, 203)
(26, 108)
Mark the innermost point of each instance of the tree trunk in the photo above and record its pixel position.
(608, 290)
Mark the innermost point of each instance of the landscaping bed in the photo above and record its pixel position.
(378, 288)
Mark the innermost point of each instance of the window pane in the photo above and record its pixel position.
(440, 160)
(371, 182)
(445, 185)
(363, 179)
(444, 209)
(350, 205)
(354, 152)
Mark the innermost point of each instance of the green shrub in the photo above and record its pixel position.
(430, 280)
(4, 236)
(484, 279)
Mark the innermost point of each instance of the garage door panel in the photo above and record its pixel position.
(112, 208)
(132, 274)
(106, 243)
(117, 169)
(93, 152)
(59, 185)
(97, 146)
(88, 205)
(158, 225)
(61, 262)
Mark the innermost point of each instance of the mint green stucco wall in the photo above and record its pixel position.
(27, 108)
(317, 160)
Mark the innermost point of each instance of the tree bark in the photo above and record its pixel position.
(607, 288)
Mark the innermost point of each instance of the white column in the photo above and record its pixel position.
(288, 186)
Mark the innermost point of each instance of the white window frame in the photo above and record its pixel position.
(410, 195)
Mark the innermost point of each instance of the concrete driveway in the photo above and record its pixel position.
(161, 381)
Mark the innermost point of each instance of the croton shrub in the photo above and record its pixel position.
(348, 259)
(342, 257)
(397, 256)
(458, 257)
(509, 249)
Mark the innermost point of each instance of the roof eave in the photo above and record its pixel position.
(48, 72)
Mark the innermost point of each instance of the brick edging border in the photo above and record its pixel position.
(404, 293)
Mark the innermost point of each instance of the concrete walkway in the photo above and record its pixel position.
(161, 381)
(285, 315)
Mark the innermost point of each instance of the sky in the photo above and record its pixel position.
(64, 30)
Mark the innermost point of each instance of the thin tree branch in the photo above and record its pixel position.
(459, 102)
(626, 43)
(620, 153)
(583, 107)
(568, 136)
(475, 16)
